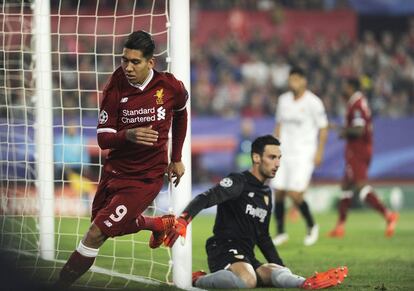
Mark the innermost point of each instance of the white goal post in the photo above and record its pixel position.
(44, 128)
(180, 67)
(33, 216)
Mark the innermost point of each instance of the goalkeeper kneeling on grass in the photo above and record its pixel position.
(242, 221)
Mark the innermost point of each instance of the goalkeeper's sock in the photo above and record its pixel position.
(78, 263)
(223, 279)
(283, 278)
(304, 209)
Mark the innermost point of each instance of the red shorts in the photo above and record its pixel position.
(356, 169)
(118, 202)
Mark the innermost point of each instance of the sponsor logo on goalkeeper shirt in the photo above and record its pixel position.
(256, 212)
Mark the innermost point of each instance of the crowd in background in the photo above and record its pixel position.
(232, 78)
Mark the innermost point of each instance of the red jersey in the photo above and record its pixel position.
(126, 106)
(359, 114)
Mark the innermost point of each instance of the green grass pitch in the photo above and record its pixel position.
(374, 262)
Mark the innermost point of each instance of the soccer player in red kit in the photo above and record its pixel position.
(358, 151)
(138, 108)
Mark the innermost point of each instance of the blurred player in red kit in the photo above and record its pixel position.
(358, 151)
(138, 108)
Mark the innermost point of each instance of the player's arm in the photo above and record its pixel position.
(229, 188)
(176, 168)
(109, 137)
(322, 138)
(321, 121)
(269, 251)
(357, 127)
(266, 245)
(351, 132)
(107, 132)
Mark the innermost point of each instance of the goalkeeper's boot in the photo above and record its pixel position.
(338, 231)
(157, 237)
(392, 219)
(196, 275)
(326, 279)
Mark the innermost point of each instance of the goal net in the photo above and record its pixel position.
(86, 42)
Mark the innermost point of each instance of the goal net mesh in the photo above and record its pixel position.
(86, 42)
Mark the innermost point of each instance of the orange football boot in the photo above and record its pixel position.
(338, 231)
(157, 237)
(392, 219)
(326, 279)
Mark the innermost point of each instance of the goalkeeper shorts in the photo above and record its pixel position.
(222, 252)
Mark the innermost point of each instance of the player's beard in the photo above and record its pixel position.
(267, 174)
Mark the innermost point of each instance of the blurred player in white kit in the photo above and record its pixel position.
(302, 127)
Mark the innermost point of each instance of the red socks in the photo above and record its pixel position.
(344, 205)
(78, 263)
(375, 203)
(76, 266)
(150, 223)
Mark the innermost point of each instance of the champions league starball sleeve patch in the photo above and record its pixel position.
(226, 182)
(103, 117)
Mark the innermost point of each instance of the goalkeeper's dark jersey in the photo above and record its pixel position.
(244, 208)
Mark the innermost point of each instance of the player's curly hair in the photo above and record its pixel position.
(141, 40)
(259, 143)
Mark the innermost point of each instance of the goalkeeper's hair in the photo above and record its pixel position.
(259, 143)
(141, 40)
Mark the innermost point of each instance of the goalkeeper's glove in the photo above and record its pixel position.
(180, 229)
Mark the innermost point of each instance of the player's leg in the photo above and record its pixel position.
(312, 228)
(282, 277)
(278, 276)
(124, 213)
(240, 275)
(82, 258)
(367, 194)
(343, 207)
(278, 185)
(279, 212)
(229, 265)
(348, 188)
(298, 183)
(114, 213)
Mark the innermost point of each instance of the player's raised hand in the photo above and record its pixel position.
(180, 229)
(142, 135)
(175, 171)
